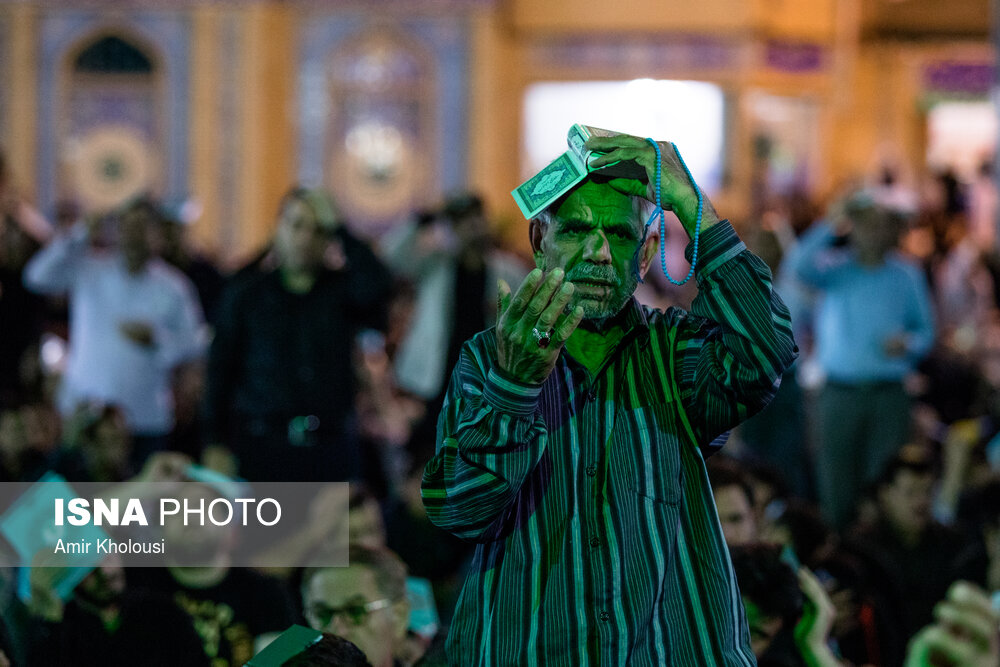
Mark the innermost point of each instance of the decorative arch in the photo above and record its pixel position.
(163, 37)
(111, 132)
(380, 131)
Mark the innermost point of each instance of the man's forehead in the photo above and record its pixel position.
(595, 201)
(343, 583)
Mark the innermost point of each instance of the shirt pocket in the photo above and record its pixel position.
(645, 453)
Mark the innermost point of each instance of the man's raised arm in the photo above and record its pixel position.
(730, 354)
(489, 435)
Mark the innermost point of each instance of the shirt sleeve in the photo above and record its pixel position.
(54, 268)
(737, 343)
(490, 439)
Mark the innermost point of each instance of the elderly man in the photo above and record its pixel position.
(576, 459)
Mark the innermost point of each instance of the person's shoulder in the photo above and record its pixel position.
(246, 281)
(169, 275)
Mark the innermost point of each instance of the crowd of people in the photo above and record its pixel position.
(860, 509)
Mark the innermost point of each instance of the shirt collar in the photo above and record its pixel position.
(635, 316)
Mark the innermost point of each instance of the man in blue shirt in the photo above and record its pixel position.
(874, 323)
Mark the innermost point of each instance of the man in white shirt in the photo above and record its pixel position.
(133, 319)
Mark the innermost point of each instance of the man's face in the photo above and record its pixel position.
(135, 235)
(200, 541)
(873, 233)
(593, 237)
(906, 503)
(300, 240)
(736, 515)
(334, 602)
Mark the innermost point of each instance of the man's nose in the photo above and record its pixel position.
(597, 249)
(338, 625)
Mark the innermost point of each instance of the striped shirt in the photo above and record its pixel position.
(598, 539)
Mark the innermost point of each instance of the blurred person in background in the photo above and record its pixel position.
(281, 388)
(964, 633)
(174, 246)
(364, 602)
(97, 446)
(454, 263)
(797, 524)
(133, 320)
(874, 324)
(21, 312)
(107, 623)
(865, 627)
(236, 611)
(918, 554)
(733, 495)
(451, 257)
(788, 611)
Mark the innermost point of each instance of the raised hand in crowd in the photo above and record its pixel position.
(812, 632)
(965, 633)
(533, 325)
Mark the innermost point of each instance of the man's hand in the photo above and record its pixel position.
(813, 629)
(964, 635)
(677, 193)
(540, 303)
(138, 332)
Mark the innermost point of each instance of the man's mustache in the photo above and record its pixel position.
(597, 274)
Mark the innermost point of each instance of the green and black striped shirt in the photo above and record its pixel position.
(598, 539)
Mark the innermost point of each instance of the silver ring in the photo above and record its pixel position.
(543, 338)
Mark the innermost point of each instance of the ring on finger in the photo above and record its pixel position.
(543, 338)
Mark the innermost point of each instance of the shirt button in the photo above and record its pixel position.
(604, 616)
(594, 542)
(591, 396)
(591, 470)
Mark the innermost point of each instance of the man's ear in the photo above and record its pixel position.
(648, 252)
(536, 230)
